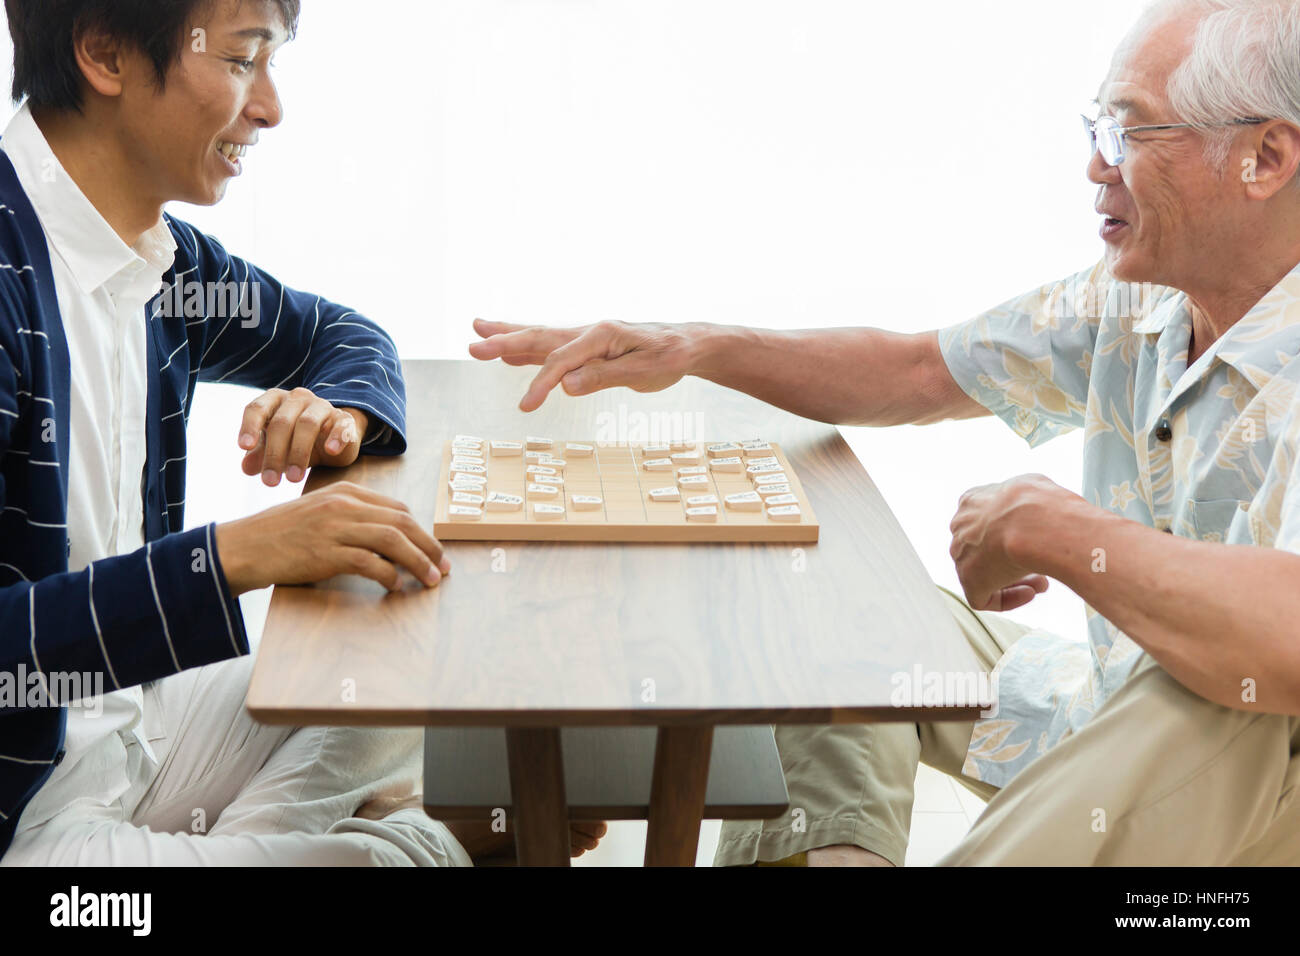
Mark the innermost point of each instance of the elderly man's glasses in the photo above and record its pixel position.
(1106, 136)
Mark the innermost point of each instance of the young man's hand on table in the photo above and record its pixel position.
(285, 433)
(340, 529)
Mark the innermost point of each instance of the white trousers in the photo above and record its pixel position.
(227, 791)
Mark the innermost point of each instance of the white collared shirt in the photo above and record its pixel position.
(103, 286)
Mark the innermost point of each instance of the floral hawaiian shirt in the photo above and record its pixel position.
(1206, 452)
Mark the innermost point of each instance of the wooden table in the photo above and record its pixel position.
(534, 637)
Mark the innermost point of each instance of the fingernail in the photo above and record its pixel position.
(271, 477)
(433, 577)
(294, 473)
(247, 440)
(333, 445)
(445, 566)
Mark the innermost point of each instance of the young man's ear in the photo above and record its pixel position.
(101, 60)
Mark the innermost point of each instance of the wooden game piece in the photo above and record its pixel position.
(680, 443)
(765, 490)
(500, 501)
(467, 485)
(578, 450)
(762, 469)
(726, 464)
(546, 491)
(536, 443)
(782, 500)
(587, 502)
(691, 456)
(706, 513)
(784, 513)
(693, 481)
(467, 460)
(539, 470)
(699, 501)
(755, 448)
(506, 449)
(745, 501)
(692, 470)
(467, 440)
(664, 494)
(548, 479)
(726, 449)
(769, 460)
(654, 451)
(547, 512)
(772, 478)
(468, 469)
(464, 513)
(558, 464)
(658, 464)
(466, 498)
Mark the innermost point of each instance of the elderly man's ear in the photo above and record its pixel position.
(1273, 164)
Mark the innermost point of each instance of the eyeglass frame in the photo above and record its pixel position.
(1090, 127)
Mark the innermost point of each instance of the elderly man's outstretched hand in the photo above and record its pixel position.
(645, 358)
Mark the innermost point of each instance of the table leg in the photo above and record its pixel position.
(537, 791)
(681, 776)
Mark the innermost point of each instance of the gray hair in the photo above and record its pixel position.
(1244, 62)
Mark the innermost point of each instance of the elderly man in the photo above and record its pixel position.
(1173, 738)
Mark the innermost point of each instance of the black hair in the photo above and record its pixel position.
(45, 31)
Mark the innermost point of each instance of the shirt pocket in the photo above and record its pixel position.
(1222, 520)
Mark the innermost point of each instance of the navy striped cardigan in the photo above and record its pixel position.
(164, 608)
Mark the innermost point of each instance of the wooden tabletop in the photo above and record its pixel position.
(532, 634)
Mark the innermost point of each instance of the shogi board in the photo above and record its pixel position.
(615, 473)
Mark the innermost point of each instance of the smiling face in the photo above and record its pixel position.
(1168, 213)
(187, 140)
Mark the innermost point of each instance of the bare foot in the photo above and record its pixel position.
(845, 856)
(483, 844)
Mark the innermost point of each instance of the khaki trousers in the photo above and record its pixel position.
(1159, 776)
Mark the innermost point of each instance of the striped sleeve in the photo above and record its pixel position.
(132, 618)
(266, 335)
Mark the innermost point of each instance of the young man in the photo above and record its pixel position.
(110, 312)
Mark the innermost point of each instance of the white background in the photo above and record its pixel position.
(776, 163)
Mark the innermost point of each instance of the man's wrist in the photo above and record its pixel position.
(239, 570)
(711, 348)
(1057, 538)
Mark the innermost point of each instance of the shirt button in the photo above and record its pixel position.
(1163, 430)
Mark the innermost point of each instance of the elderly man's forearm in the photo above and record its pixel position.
(1223, 620)
(858, 376)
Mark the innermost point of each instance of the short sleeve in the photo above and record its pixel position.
(1029, 360)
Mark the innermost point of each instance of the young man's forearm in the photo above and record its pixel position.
(1213, 615)
(842, 376)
